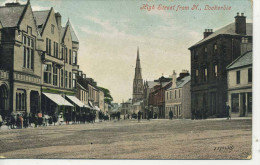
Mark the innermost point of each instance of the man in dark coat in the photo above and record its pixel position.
(170, 114)
(139, 116)
(228, 112)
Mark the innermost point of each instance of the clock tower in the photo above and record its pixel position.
(138, 87)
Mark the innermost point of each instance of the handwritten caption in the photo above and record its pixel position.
(175, 7)
(228, 148)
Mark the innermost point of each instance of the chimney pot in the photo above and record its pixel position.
(242, 14)
(237, 13)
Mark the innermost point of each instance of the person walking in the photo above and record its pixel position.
(139, 116)
(228, 111)
(1, 121)
(170, 114)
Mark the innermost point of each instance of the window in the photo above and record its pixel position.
(52, 29)
(74, 60)
(28, 52)
(62, 53)
(20, 100)
(62, 77)
(215, 71)
(175, 93)
(47, 45)
(179, 93)
(47, 74)
(49, 51)
(205, 52)
(196, 54)
(167, 95)
(250, 75)
(66, 79)
(244, 40)
(57, 50)
(238, 77)
(66, 55)
(196, 75)
(205, 74)
(70, 57)
(215, 47)
(74, 80)
(55, 76)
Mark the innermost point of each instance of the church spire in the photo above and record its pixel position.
(138, 84)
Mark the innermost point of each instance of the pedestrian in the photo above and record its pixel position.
(21, 121)
(1, 121)
(139, 116)
(171, 114)
(228, 111)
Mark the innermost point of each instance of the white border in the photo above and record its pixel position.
(256, 123)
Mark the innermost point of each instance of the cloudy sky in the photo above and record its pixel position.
(110, 31)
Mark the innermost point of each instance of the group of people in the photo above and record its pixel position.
(20, 120)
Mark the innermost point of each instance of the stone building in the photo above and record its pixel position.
(178, 98)
(209, 59)
(101, 101)
(138, 86)
(59, 59)
(240, 85)
(156, 100)
(20, 60)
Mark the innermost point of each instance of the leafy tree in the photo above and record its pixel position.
(107, 96)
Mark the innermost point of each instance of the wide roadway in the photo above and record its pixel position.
(128, 139)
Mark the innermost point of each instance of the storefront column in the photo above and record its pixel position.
(246, 103)
(28, 94)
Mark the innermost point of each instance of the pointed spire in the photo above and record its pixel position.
(138, 53)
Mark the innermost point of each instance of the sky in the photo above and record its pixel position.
(110, 31)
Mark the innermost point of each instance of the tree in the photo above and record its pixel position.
(107, 96)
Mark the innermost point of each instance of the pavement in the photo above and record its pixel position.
(130, 139)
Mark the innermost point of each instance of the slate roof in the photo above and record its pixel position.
(10, 15)
(243, 60)
(152, 84)
(228, 29)
(73, 34)
(182, 82)
(41, 18)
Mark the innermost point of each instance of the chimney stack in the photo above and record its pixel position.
(173, 79)
(58, 19)
(207, 32)
(240, 24)
(183, 74)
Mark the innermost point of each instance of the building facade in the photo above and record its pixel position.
(240, 85)
(178, 98)
(209, 59)
(20, 60)
(157, 98)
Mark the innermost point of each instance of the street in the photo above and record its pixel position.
(128, 139)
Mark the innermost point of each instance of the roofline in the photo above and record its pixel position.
(22, 15)
(239, 67)
(219, 35)
(46, 20)
(237, 60)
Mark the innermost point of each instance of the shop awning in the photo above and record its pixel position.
(76, 101)
(97, 108)
(90, 104)
(58, 99)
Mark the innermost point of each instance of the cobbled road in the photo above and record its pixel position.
(128, 139)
